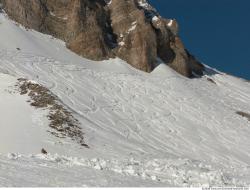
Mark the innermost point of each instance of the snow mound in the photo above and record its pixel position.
(162, 171)
(162, 70)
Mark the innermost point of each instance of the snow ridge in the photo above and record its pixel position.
(169, 171)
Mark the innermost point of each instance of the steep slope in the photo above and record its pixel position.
(160, 128)
(101, 29)
(16, 113)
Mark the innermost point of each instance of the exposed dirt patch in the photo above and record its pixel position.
(61, 120)
(211, 80)
(243, 114)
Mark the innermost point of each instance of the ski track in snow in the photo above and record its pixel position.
(149, 115)
(161, 128)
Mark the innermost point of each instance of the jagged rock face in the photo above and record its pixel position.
(100, 29)
(136, 38)
(28, 13)
(80, 23)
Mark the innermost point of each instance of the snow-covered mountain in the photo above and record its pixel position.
(136, 128)
(100, 29)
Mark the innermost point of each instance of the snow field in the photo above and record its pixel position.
(157, 129)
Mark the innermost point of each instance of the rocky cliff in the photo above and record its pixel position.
(99, 29)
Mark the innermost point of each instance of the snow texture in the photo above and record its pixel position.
(157, 129)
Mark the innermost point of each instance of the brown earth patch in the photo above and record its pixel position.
(211, 80)
(61, 120)
(243, 114)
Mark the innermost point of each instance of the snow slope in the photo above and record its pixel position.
(157, 129)
(15, 106)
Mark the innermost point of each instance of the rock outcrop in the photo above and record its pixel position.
(1, 6)
(80, 23)
(99, 29)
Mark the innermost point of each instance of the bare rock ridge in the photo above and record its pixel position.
(100, 29)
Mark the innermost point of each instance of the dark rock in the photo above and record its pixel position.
(43, 151)
(244, 114)
(1, 6)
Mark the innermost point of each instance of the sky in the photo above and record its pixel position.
(217, 32)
